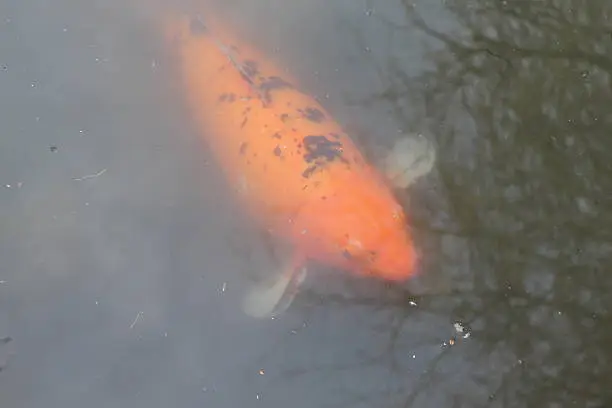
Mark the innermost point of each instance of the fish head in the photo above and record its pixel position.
(363, 232)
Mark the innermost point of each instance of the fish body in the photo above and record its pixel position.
(295, 170)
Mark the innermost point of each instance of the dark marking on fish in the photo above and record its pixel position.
(312, 114)
(277, 151)
(320, 147)
(270, 84)
(346, 254)
(244, 121)
(250, 68)
(197, 26)
(227, 97)
(243, 147)
(284, 117)
(320, 151)
(323, 197)
(277, 136)
(247, 78)
(309, 170)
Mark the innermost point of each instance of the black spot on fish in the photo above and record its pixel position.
(373, 255)
(277, 136)
(319, 151)
(250, 68)
(53, 149)
(313, 114)
(323, 197)
(320, 147)
(277, 151)
(244, 121)
(271, 84)
(247, 78)
(284, 117)
(306, 173)
(227, 97)
(197, 26)
(243, 147)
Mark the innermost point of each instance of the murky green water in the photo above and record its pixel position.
(123, 263)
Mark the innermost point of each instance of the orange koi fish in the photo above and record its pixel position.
(297, 173)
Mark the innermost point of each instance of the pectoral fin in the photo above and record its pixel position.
(412, 156)
(274, 296)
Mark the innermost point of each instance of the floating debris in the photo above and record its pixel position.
(98, 174)
(135, 320)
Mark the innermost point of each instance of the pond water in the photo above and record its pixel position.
(124, 259)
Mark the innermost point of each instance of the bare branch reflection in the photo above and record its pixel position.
(521, 98)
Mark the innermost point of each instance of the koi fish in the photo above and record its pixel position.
(294, 169)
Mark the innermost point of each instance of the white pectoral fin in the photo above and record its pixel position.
(273, 297)
(412, 156)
